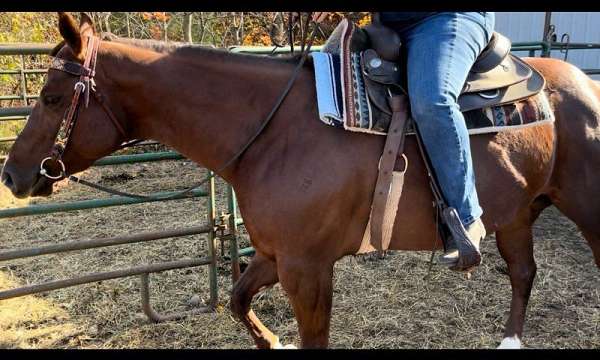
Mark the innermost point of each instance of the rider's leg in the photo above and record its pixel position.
(441, 50)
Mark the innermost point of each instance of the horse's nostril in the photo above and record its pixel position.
(7, 179)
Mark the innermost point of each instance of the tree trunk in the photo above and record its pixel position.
(107, 23)
(187, 27)
(128, 25)
(165, 28)
(241, 28)
(201, 27)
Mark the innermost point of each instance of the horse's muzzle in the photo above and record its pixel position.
(7, 179)
(21, 188)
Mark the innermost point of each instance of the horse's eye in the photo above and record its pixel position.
(51, 99)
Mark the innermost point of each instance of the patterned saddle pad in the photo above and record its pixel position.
(355, 111)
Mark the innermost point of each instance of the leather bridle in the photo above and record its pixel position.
(81, 94)
(86, 85)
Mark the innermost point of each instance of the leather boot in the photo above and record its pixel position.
(474, 232)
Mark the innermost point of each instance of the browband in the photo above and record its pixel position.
(70, 67)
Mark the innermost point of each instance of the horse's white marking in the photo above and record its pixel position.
(510, 343)
(280, 346)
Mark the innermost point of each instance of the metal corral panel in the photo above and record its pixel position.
(580, 26)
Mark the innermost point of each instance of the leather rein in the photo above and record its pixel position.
(87, 85)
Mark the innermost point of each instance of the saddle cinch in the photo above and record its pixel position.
(496, 78)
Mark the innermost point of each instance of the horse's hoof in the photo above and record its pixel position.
(280, 346)
(510, 343)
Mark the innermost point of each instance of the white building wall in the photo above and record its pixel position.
(581, 27)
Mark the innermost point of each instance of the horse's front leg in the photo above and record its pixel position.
(308, 284)
(516, 248)
(260, 273)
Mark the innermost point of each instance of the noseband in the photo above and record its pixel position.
(84, 86)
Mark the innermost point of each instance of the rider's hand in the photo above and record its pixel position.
(319, 16)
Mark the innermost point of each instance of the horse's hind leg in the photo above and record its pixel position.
(309, 288)
(585, 213)
(260, 273)
(593, 239)
(516, 248)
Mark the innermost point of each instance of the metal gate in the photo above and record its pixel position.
(220, 228)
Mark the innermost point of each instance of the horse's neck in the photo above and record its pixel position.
(204, 104)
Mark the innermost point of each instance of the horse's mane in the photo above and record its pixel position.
(155, 45)
(181, 47)
(172, 47)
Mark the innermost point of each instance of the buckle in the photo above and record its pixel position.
(79, 83)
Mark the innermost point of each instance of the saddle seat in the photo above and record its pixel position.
(496, 78)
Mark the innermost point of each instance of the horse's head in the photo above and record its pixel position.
(93, 135)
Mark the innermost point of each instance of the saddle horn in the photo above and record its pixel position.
(385, 41)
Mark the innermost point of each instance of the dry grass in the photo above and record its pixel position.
(9, 201)
(31, 322)
(377, 304)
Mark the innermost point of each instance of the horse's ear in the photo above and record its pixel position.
(86, 25)
(57, 48)
(70, 32)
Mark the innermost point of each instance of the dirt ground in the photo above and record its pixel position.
(377, 304)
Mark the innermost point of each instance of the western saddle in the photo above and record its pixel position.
(496, 78)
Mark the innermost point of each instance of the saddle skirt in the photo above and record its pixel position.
(354, 84)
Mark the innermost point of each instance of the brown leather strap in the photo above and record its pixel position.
(82, 87)
(394, 144)
(110, 114)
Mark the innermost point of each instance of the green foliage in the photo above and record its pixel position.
(28, 27)
(9, 129)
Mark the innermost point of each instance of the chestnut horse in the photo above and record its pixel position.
(305, 189)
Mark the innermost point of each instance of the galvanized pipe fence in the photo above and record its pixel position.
(220, 228)
(223, 228)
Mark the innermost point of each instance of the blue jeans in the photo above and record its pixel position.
(440, 52)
